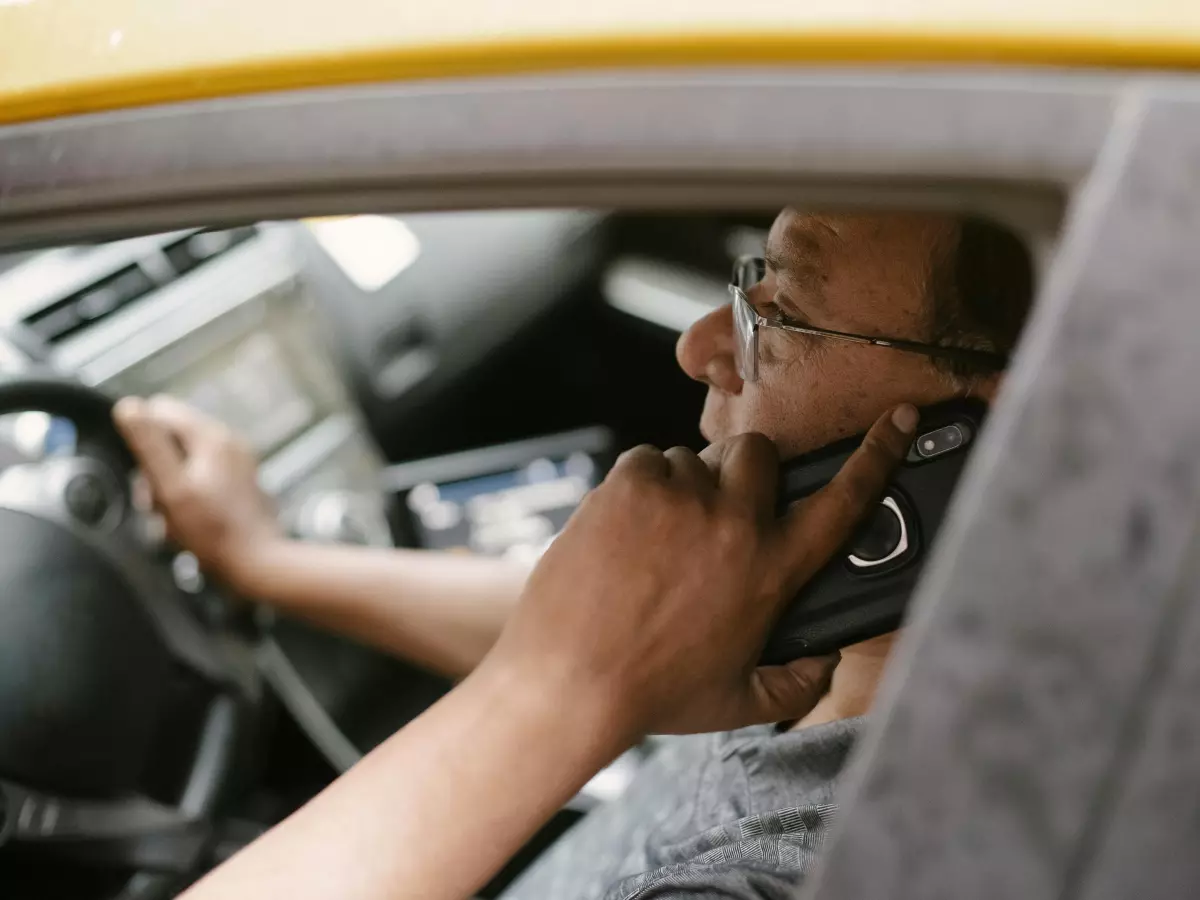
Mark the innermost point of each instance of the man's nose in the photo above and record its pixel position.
(706, 351)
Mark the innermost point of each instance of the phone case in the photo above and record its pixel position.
(864, 590)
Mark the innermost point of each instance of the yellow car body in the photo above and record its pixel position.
(59, 57)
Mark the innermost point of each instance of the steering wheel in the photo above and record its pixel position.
(97, 643)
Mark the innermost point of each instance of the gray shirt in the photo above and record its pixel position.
(738, 814)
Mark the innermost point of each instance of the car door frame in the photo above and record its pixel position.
(1034, 734)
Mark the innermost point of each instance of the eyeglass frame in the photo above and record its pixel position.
(747, 321)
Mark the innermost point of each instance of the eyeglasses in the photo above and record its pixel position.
(750, 270)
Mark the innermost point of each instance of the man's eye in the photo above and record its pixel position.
(773, 312)
(770, 310)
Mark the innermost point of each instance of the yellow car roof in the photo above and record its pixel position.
(68, 56)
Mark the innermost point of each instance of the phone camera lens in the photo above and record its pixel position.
(942, 440)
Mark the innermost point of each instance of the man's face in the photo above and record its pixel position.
(864, 274)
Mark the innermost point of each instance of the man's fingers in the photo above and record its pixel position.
(711, 457)
(688, 469)
(817, 527)
(190, 426)
(750, 472)
(156, 450)
(786, 693)
(641, 460)
(746, 466)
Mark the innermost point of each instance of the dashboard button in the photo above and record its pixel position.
(88, 499)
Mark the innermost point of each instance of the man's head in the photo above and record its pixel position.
(931, 278)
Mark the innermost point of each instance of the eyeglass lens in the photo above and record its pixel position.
(747, 272)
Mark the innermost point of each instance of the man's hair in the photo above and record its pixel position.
(980, 291)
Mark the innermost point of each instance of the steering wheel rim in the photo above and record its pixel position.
(88, 408)
(233, 681)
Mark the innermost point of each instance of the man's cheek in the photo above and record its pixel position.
(784, 417)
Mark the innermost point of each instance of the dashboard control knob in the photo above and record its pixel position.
(185, 569)
(88, 498)
(342, 517)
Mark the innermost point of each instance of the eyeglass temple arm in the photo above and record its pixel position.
(962, 354)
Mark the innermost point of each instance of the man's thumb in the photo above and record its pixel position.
(784, 693)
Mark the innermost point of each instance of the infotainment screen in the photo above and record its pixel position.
(261, 368)
(506, 501)
(255, 392)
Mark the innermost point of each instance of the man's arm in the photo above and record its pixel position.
(439, 609)
(436, 609)
(439, 807)
(648, 614)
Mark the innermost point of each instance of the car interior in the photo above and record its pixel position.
(454, 380)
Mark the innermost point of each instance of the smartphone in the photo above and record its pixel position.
(864, 590)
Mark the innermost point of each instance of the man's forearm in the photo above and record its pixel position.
(437, 809)
(441, 610)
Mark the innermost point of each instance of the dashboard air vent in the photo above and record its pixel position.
(196, 249)
(88, 305)
(60, 320)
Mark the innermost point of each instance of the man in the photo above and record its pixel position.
(737, 813)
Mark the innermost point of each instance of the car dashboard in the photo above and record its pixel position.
(224, 320)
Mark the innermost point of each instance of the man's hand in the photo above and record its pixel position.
(647, 614)
(656, 600)
(203, 480)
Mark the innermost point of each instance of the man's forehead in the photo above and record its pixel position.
(838, 261)
(795, 235)
(811, 239)
(797, 247)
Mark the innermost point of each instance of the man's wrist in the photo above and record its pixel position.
(585, 718)
(252, 568)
